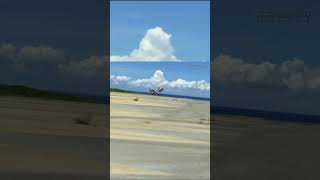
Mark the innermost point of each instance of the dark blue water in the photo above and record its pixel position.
(98, 99)
(105, 99)
(268, 115)
(178, 96)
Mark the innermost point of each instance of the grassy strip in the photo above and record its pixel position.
(23, 91)
(121, 90)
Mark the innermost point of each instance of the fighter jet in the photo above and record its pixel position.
(156, 91)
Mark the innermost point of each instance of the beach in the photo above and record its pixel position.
(248, 148)
(151, 138)
(157, 137)
(41, 139)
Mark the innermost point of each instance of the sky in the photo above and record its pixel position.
(56, 45)
(62, 45)
(264, 65)
(161, 44)
(186, 22)
(177, 78)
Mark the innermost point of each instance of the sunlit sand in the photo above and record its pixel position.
(41, 137)
(159, 136)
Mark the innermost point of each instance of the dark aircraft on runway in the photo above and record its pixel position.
(156, 91)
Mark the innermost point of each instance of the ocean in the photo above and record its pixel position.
(265, 115)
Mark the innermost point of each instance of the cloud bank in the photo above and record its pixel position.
(292, 74)
(45, 54)
(31, 58)
(154, 46)
(158, 80)
(32, 54)
(119, 79)
(89, 67)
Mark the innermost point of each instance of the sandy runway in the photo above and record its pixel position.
(159, 137)
(251, 148)
(39, 139)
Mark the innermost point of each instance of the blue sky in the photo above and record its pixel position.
(239, 34)
(187, 22)
(141, 76)
(156, 32)
(56, 45)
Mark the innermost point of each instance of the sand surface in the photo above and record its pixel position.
(159, 138)
(256, 149)
(153, 138)
(40, 140)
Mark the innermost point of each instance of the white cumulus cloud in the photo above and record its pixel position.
(158, 80)
(293, 74)
(32, 54)
(154, 46)
(118, 79)
(88, 67)
(27, 57)
(41, 54)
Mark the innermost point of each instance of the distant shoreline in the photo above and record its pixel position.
(265, 115)
(163, 95)
(29, 92)
(24, 91)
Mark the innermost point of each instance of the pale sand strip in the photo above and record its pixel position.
(121, 169)
(28, 158)
(247, 148)
(126, 122)
(161, 132)
(52, 117)
(27, 131)
(147, 137)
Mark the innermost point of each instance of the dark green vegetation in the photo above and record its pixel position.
(23, 91)
(121, 90)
